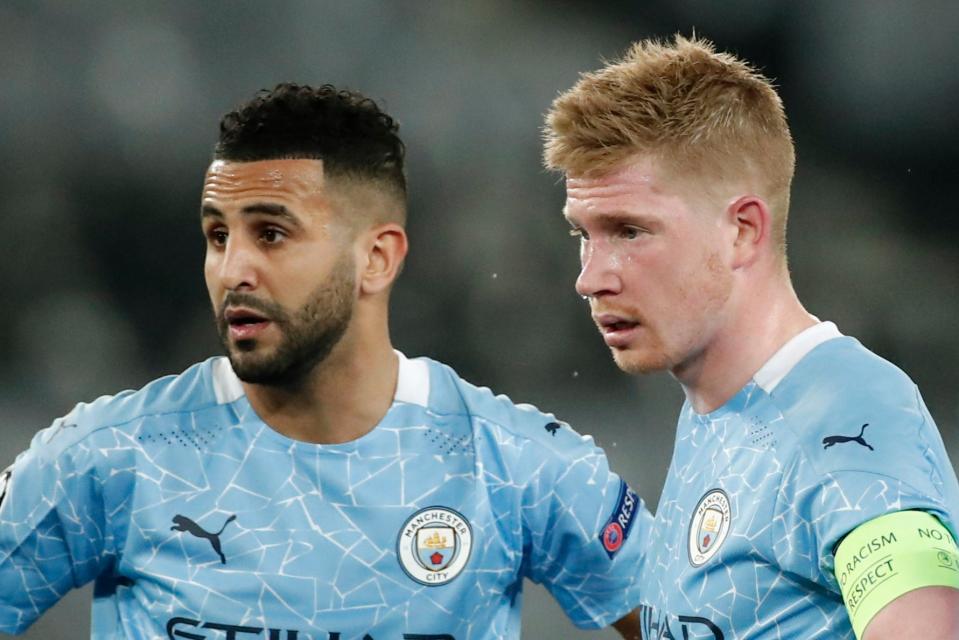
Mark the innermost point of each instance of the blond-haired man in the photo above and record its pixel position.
(807, 474)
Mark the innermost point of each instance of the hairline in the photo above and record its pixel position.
(338, 183)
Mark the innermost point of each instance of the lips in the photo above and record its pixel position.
(618, 331)
(244, 323)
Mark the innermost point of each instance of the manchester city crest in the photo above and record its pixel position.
(434, 545)
(709, 526)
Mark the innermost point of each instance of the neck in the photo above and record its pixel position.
(758, 324)
(341, 399)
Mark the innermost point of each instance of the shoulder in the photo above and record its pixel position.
(864, 446)
(850, 409)
(841, 373)
(841, 386)
(202, 385)
(449, 394)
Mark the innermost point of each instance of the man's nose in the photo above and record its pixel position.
(599, 274)
(238, 268)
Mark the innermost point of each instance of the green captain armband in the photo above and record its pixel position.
(884, 558)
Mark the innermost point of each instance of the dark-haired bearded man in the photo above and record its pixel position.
(314, 483)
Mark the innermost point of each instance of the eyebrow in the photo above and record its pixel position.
(262, 208)
(616, 217)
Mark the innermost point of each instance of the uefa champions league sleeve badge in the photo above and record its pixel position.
(434, 545)
(709, 527)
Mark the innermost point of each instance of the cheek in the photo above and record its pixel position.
(721, 289)
(709, 287)
(292, 284)
(673, 282)
(646, 269)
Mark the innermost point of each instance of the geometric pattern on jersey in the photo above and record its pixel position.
(197, 520)
(782, 454)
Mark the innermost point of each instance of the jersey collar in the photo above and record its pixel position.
(789, 355)
(412, 381)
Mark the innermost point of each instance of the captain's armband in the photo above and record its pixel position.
(885, 558)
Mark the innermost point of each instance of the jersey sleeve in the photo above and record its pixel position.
(52, 526)
(583, 529)
(827, 493)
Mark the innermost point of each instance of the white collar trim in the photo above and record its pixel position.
(412, 381)
(789, 355)
(226, 385)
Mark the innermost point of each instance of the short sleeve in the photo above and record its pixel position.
(815, 512)
(583, 531)
(52, 528)
(870, 448)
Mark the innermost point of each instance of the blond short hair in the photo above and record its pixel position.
(705, 114)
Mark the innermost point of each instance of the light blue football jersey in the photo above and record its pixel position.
(198, 521)
(825, 437)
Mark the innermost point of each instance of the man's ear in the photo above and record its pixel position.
(751, 219)
(384, 249)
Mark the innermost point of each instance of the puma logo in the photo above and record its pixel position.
(182, 523)
(4, 482)
(831, 440)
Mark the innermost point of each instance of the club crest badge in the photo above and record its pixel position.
(434, 545)
(709, 527)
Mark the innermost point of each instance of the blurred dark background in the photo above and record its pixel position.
(108, 112)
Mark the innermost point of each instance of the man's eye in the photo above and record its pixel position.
(217, 237)
(630, 233)
(271, 235)
(579, 233)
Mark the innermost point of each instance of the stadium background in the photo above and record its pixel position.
(107, 116)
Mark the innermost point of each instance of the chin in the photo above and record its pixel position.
(639, 363)
(253, 363)
(249, 368)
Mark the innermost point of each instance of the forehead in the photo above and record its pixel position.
(641, 182)
(289, 180)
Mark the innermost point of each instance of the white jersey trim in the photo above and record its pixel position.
(412, 381)
(226, 385)
(789, 355)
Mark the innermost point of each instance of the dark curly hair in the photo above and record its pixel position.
(344, 129)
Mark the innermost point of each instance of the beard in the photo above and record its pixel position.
(308, 334)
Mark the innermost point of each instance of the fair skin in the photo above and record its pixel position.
(686, 279)
(672, 288)
(930, 612)
(629, 626)
(273, 232)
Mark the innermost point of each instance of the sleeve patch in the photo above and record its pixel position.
(890, 556)
(616, 530)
